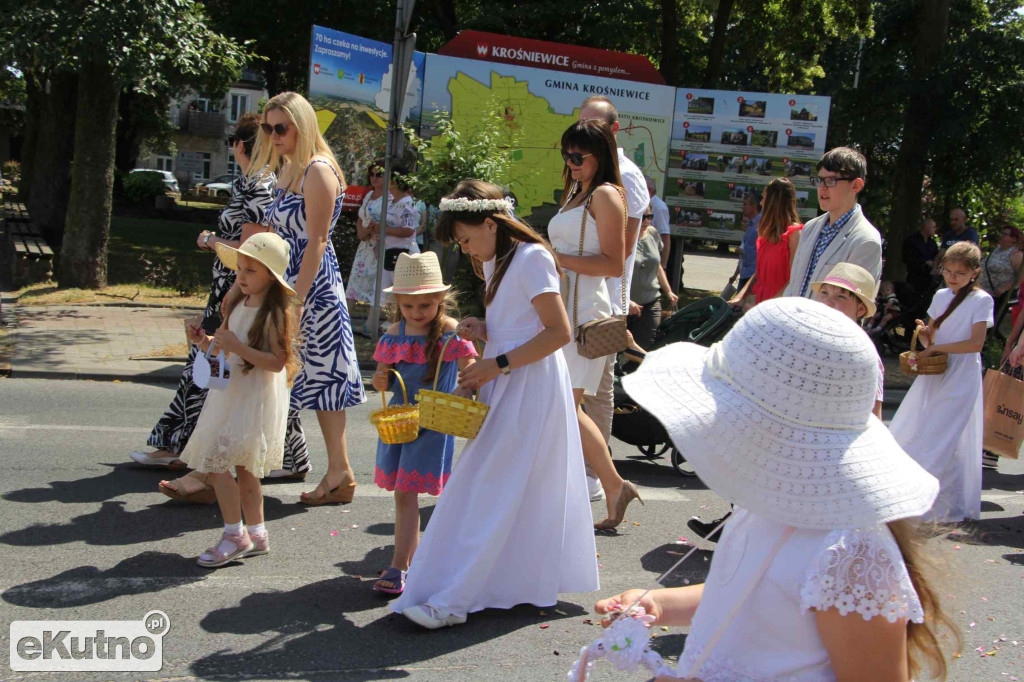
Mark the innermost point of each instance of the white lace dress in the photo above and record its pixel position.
(772, 636)
(243, 424)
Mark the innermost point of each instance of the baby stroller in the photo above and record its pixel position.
(704, 323)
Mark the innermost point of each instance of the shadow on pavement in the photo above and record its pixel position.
(112, 525)
(141, 574)
(314, 638)
(694, 570)
(120, 480)
(994, 480)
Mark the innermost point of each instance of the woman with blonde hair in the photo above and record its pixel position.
(306, 206)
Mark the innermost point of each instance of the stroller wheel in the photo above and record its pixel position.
(654, 450)
(680, 464)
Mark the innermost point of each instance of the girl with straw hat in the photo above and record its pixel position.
(817, 575)
(412, 346)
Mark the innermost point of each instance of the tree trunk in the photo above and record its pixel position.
(716, 51)
(670, 41)
(54, 147)
(918, 123)
(128, 143)
(83, 259)
(33, 103)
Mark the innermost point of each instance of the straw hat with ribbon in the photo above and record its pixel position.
(419, 273)
(266, 247)
(855, 279)
(777, 419)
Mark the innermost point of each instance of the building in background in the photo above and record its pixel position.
(203, 125)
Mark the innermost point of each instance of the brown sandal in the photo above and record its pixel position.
(205, 495)
(628, 494)
(342, 494)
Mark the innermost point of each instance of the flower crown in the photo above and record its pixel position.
(462, 204)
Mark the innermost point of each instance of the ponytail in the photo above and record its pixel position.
(968, 255)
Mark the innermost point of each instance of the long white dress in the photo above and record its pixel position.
(513, 525)
(243, 424)
(941, 421)
(593, 303)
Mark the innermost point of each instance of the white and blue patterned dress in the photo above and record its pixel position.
(329, 379)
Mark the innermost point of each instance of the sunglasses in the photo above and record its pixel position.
(232, 139)
(377, 173)
(279, 128)
(648, 216)
(575, 158)
(817, 181)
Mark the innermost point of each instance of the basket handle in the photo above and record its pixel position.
(913, 340)
(440, 359)
(405, 394)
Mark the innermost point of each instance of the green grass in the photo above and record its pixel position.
(169, 246)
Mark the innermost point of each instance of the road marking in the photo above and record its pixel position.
(72, 427)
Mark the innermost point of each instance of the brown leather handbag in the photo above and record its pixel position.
(607, 336)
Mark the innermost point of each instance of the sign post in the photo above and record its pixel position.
(401, 60)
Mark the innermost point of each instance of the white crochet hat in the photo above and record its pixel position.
(777, 419)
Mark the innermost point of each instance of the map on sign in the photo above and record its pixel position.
(537, 106)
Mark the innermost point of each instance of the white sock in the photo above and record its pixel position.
(257, 529)
(233, 528)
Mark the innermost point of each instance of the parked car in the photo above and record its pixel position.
(170, 182)
(219, 186)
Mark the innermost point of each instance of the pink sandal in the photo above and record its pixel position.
(260, 544)
(214, 558)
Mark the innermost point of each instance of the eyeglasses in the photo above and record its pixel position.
(818, 181)
(279, 128)
(648, 216)
(575, 158)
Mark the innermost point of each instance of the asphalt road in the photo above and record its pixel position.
(84, 536)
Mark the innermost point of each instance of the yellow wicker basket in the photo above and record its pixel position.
(911, 363)
(447, 413)
(397, 423)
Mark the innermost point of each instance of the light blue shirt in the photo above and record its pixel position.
(748, 266)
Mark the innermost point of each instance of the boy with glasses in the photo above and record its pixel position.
(842, 234)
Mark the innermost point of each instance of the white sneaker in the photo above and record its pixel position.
(145, 460)
(431, 618)
(595, 489)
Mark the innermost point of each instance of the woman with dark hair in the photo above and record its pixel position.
(362, 279)
(588, 233)
(778, 235)
(245, 212)
(1000, 268)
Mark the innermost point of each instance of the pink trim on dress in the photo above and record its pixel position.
(391, 351)
(410, 481)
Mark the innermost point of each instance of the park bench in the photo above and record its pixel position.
(29, 257)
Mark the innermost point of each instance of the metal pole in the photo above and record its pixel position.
(401, 58)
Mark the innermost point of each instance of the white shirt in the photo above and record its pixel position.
(637, 199)
(403, 213)
(660, 210)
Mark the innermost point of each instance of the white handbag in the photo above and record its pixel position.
(203, 370)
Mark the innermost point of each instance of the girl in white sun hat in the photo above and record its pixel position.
(242, 427)
(817, 575)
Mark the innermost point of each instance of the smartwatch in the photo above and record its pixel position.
(502, 361)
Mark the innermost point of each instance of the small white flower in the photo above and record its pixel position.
(867, 608)
(892, 611)
(859, 591)
(461, 204)
(845, 603)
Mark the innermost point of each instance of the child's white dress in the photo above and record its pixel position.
(941, 421)
(514, 524)
(244, 424)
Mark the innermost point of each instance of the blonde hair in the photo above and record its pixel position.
(446, 304)
(308, 143)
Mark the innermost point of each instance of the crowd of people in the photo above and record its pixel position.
(782, 417)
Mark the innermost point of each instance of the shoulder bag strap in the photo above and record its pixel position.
(576, 285)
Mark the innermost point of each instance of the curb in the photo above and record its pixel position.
(112, 304)
(164, 377)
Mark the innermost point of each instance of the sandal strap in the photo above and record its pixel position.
(216, 554)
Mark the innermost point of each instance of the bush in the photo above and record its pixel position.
(143, 187)
(12, 171)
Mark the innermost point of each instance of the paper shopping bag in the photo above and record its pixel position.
(1004, 414)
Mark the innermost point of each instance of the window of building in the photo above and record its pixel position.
(239, 106)
(201, 104)
(165, 163)
(233, 167)
(205, 175)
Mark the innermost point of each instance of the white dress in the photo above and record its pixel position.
(773, 635)
(513, 525)
(594, 304)
(941, 421)
(243, 424)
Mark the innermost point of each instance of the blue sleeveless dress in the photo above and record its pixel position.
(329, 379)
(424, 465)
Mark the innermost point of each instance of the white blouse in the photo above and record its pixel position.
(773, 635)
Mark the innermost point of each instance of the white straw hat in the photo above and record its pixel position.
(777, 419)
(419, 273)
(854, 278)
(267, 248)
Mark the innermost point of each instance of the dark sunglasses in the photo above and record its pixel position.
(575, 158)
(648, 216)
(279, 128)
(378, 173)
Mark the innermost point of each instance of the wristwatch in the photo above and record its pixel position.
(206, 240)
(502, 361)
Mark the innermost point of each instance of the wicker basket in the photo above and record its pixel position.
(447, 413)
(397, 423)
(914, 365)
